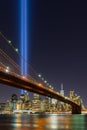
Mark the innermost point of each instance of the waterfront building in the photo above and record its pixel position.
(36, 96)
(2, 107)
(8, 106)
(72, 94)
(19, 105)
(36, 105)
(27, 105)
(13, 102)
(54, 101)
(22, 97)
(45, 105)
(26, 96)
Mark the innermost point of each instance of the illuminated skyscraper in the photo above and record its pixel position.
(72, 95)
(62, 90)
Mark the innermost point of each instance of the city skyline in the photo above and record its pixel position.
(23, 104)
(57, 41)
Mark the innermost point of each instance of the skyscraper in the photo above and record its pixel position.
(62, 90)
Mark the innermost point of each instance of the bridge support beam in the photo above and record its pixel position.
(76, 109)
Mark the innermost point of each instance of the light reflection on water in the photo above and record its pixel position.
(43, 122)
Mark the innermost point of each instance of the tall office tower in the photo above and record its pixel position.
(62, 93)
(72, 95)
(26, 96)
(36, 103)
(62, 90)
(45, 104)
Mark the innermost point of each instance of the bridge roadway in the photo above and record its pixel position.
(15, 80)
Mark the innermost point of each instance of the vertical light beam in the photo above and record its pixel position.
(24, 40)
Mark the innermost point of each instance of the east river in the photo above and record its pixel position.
(43, 122)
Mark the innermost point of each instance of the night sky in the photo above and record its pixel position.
(57, 41)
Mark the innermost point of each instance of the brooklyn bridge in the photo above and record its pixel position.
(10, 74)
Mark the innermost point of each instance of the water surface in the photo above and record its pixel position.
(43, 122)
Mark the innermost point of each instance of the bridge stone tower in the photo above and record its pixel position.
(76, 110)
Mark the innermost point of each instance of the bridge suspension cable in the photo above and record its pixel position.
(7, 58)
(37, 75)
(17, 52)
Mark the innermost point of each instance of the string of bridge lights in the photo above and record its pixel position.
(17, 51)
(9, 42)
(45, 81)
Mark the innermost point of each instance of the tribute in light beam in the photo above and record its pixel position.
(24, 31)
